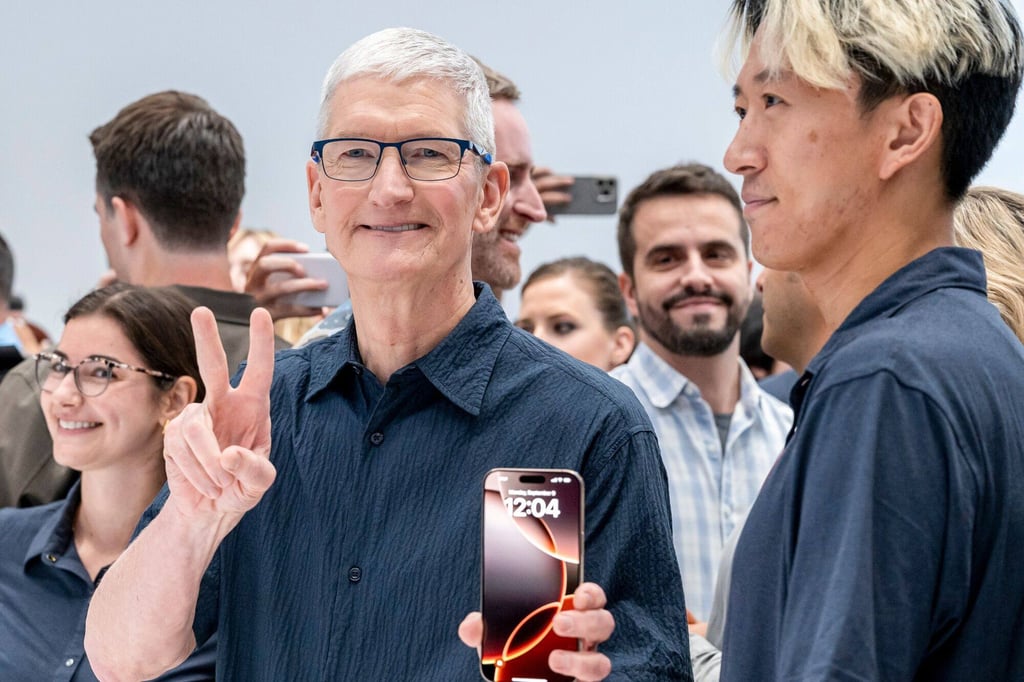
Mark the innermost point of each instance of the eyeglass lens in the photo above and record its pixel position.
(430, 159)
(91, 377)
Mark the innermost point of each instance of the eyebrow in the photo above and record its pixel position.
(760, 78)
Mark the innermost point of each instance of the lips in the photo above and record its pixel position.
(688, 298)
(405, 227)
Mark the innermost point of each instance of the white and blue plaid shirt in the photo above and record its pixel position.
(710, 492)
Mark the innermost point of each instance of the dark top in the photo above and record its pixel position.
(28, 474)
(44, 598)
(779, 385)
(363, 557)
(888, 541)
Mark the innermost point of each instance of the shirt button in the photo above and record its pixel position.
(355, 574)
(52, 558)
(68, 663)
(376, 437)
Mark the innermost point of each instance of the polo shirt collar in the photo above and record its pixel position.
(55, 535)
(659, 379)
(459, 367)
(942, 268)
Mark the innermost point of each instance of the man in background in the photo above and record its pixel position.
(170, 176)
(686, 278)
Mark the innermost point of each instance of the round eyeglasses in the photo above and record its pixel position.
(354, 159)
(92, 375)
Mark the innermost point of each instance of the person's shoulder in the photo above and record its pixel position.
(575, 381)
(18, 526)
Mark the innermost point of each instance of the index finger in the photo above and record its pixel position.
(282, 245)
(259, 368)
(213, 364)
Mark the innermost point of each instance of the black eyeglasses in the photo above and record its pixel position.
(92, 375)
(355, 159)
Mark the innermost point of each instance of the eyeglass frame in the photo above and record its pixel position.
(317, 151)
(110, 362)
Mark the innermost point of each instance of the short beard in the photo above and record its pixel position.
(701, 341)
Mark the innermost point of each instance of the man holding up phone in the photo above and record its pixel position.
(362, 557)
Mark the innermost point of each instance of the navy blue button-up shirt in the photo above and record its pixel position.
(44, 597)
(363, 557)
(888, 542)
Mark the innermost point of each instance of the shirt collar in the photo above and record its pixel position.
(663, 383)
(942, 268)
(54, 536)
(459, 367)
(227, 306)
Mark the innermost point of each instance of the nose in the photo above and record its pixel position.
(390, 185)
(526, 201)
(66, 391)
(744, 155)
(696, 275)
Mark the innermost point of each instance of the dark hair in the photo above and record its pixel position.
(179, 162)
(6, 270)
(156, 322)
(681, 180)
(499, 85)
(598, 278)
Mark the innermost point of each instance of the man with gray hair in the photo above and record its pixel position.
(886, 544)
(360, 560)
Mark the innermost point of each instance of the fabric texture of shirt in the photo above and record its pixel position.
(28, 473)
(888, 541)
(44, 597)
(363, 557)
(709, 490)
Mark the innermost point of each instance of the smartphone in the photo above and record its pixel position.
(318, 266)
(532, 563)
(591, 195)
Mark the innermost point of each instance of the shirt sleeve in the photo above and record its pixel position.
(879, 549)
(629, 554)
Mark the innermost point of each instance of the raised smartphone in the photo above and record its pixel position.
(318, 266)
(532, 563)
(591, 195)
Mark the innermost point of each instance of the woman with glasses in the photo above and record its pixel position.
(124, 367)
(575, 305)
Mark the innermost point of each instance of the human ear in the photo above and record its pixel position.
(495, 190)
(126, 218)
(175, 399)
(316, 206)
(623, 343)
(915, 128)
(628, 293)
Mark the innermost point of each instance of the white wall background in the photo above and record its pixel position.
(609, 87)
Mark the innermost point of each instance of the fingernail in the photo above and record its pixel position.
(558, 659)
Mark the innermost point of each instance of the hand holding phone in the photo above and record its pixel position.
(532, 564)
(588, 195)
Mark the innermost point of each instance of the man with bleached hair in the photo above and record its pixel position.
(886, 543)
(350, 551)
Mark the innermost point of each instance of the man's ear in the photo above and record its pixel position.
(916, 128)
(628, 293)
(316, 207)
(127, 218)
(495, 191)
(623, 343)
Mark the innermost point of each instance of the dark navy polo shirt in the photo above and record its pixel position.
(363, 557)
(44, 598)
(888, 541)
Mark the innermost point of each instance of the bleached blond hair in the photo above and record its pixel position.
(401, 54)
(991, 220)
(968, 53)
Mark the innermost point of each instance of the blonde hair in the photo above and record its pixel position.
(991, 220)
(825, 42)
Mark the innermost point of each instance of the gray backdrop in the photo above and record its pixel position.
(609, 87)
